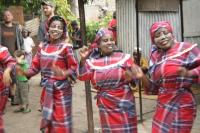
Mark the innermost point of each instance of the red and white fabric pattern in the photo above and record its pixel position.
(114, 97)
(6, 61)
(176, 108)
(58, 91)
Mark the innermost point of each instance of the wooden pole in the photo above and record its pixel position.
(138, 62)
(87, 83)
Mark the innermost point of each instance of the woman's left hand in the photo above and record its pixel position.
(6, 77)
(59, 72)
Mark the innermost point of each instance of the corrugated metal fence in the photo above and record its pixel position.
(126, 14)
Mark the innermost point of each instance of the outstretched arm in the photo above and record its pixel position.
(35, 66)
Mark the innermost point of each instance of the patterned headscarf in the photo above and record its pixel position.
(100, 34)
(157, 25)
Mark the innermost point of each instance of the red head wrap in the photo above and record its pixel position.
(157, 25)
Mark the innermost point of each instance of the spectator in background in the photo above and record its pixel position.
(28, 45)
(76, 38)
(10, 33)
(113, 26)
(143, 64)
(22, 83)
(48, 8)
(76, 35)
(11, 37)
(143, 60)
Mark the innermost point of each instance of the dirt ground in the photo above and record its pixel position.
(30, 122)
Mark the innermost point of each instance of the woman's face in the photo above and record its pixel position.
(56, 30)
(163, 39)
(107, 44)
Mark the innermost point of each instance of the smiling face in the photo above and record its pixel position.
(163, 39)
(106, 44)
(56, 29)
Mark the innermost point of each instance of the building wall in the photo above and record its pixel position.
(127, 34)
(93, 9)
(191, 21)
(126, 25)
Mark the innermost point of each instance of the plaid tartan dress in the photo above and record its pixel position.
(58, 91)
(6, 61)
(176, 106)
(114, 98)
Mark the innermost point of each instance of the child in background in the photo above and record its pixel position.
(22, 83)
(28, 45)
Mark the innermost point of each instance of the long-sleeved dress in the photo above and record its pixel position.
(58, 91)
(176, 106)
(6, 61)
(114, 96)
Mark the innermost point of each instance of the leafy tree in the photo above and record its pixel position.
(63, 9)
(93, 26)
(33, 6)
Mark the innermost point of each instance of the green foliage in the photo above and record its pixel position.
(2, 8)
(92, 27)
(63, 9)
(32, 6)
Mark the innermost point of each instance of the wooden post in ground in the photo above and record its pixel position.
(87, 83)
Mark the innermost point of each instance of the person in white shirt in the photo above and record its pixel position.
(28, 45)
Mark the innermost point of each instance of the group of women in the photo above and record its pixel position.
(174, 67)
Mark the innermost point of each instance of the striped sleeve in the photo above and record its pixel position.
(193, 62)
(35, 66)
(84, 72)
(5, 58)
(71, 62)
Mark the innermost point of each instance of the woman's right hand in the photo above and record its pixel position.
(84, 52)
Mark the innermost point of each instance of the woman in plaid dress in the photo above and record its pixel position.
(106, 71)
(174, 67)
(6, 65)
(57, 64)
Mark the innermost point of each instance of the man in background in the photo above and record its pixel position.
(11, 37)
(143, 65)
(48, 8)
